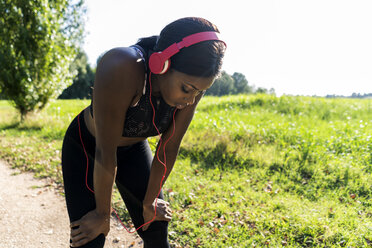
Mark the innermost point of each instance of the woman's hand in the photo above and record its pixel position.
(163, 212)
(89, 227)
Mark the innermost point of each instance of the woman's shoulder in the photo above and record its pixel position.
(120, 57)
(121, 65)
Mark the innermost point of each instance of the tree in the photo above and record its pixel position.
(261, 90)
(272, 91)
(241, 83)
(38, 42)
(2, 95)
(82, 83)
(224, 85)
(235, 84)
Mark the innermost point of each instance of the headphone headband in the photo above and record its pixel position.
(158, 60)
(188, 41)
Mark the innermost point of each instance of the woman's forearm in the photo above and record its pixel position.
(103, 178)
(156, 175)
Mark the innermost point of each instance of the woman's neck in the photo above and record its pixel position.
(155, 85)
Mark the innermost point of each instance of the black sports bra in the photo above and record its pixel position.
(138, 119)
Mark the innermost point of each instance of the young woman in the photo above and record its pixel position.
(150, 88)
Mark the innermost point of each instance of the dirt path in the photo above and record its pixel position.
(33, 215)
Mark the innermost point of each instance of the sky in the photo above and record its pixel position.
(297, 47)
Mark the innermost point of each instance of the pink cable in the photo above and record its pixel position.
(86, 155)
(160, 143)
(157, 155)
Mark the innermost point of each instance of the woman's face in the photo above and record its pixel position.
(179, 89)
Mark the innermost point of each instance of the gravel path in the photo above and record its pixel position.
(33, 215)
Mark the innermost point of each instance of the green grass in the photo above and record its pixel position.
(253, 171)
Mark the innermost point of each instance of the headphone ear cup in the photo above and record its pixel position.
(156, 63)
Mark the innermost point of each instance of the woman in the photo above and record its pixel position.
(138, 93)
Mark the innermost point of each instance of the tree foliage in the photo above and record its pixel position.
(354, 95)
(229, 84)
(241, 83)
(83, 82)
(38, 42)
(222, 85)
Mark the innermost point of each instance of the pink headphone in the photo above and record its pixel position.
(159, 62)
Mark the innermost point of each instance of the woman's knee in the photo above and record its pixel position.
(156, 235)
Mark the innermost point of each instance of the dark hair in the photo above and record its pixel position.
(203, 59)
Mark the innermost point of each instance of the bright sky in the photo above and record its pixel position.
(313, 47)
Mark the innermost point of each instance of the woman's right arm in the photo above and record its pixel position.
(113, 92)
(117, 75)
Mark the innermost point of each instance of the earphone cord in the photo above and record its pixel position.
(157, 156)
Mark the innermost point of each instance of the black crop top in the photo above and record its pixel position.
(138, 119)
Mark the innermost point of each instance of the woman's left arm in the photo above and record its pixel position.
(182, 121)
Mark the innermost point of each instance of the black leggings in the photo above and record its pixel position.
(133, 170)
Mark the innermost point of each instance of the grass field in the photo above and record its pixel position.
(253, 171)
